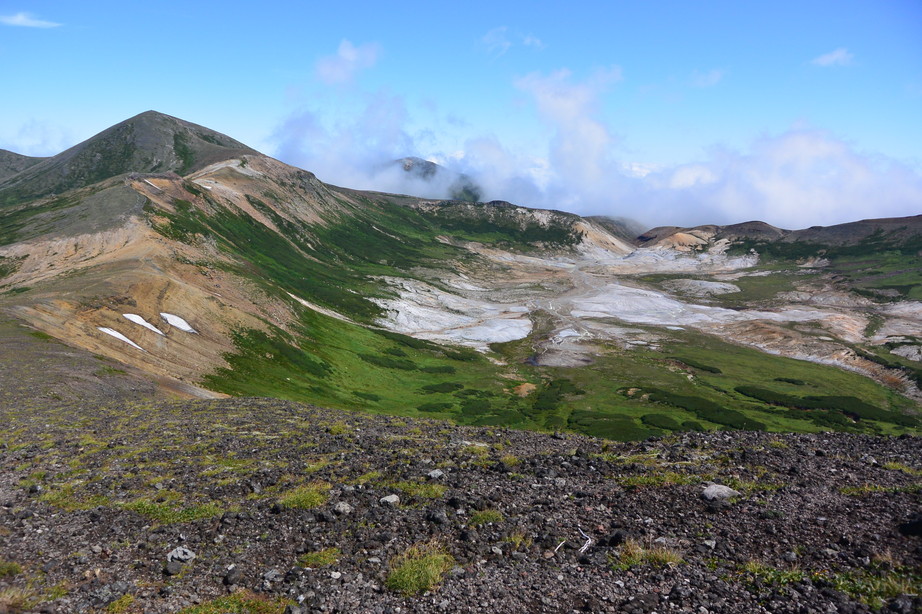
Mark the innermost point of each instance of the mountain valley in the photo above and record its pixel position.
(228, 386)
(396, 304)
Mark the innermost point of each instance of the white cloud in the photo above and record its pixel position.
(581, 145)
(499, 40)
(348, 60)
(353, 153)
(796, 179)
(706, 79)
(799, 178)
(496, 42)
(26, 20)
(838, 57)
(530, 40)
(37, 138)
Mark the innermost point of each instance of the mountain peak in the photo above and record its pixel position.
(150, 142)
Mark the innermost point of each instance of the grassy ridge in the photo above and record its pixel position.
(331, 263)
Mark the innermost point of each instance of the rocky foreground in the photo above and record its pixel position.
(252, 505)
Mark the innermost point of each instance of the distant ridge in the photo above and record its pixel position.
(896, 230)
(12, 163)
(150, 142)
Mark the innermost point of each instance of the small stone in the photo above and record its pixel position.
(437, 516)
(435, 474)
(789, 556)
(392, 500)
(172, 568)
(342, 508)
(233, 576)
(336, 575)
(913, 527)
(710, 543)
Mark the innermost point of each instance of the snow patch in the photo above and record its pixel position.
(119, 336)
(174, 320)
(140, 320)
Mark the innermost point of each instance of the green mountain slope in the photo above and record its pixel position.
(150, 142)
(481, 313)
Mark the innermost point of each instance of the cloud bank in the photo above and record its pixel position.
(799, 178)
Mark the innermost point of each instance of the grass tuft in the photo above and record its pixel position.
(305, 497)
(242, 602)
(8, 569)
(419, 569)
(632, 554)
(320, 558)
(486, 517)
(423, 490)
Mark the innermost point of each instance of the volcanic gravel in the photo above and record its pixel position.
(177, 503)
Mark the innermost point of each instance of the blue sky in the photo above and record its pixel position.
(797, 113)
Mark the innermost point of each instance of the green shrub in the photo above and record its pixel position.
(707, 410)
(475, 406)
(435, 407)
(389, 363)
(691, 425)
(462, 354)
(443, 387)
(661, 421)
(448, 369)
(697, 365)
(791, 380)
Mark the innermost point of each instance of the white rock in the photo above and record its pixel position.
(183, 555)
(392, 500)
(718, 492)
